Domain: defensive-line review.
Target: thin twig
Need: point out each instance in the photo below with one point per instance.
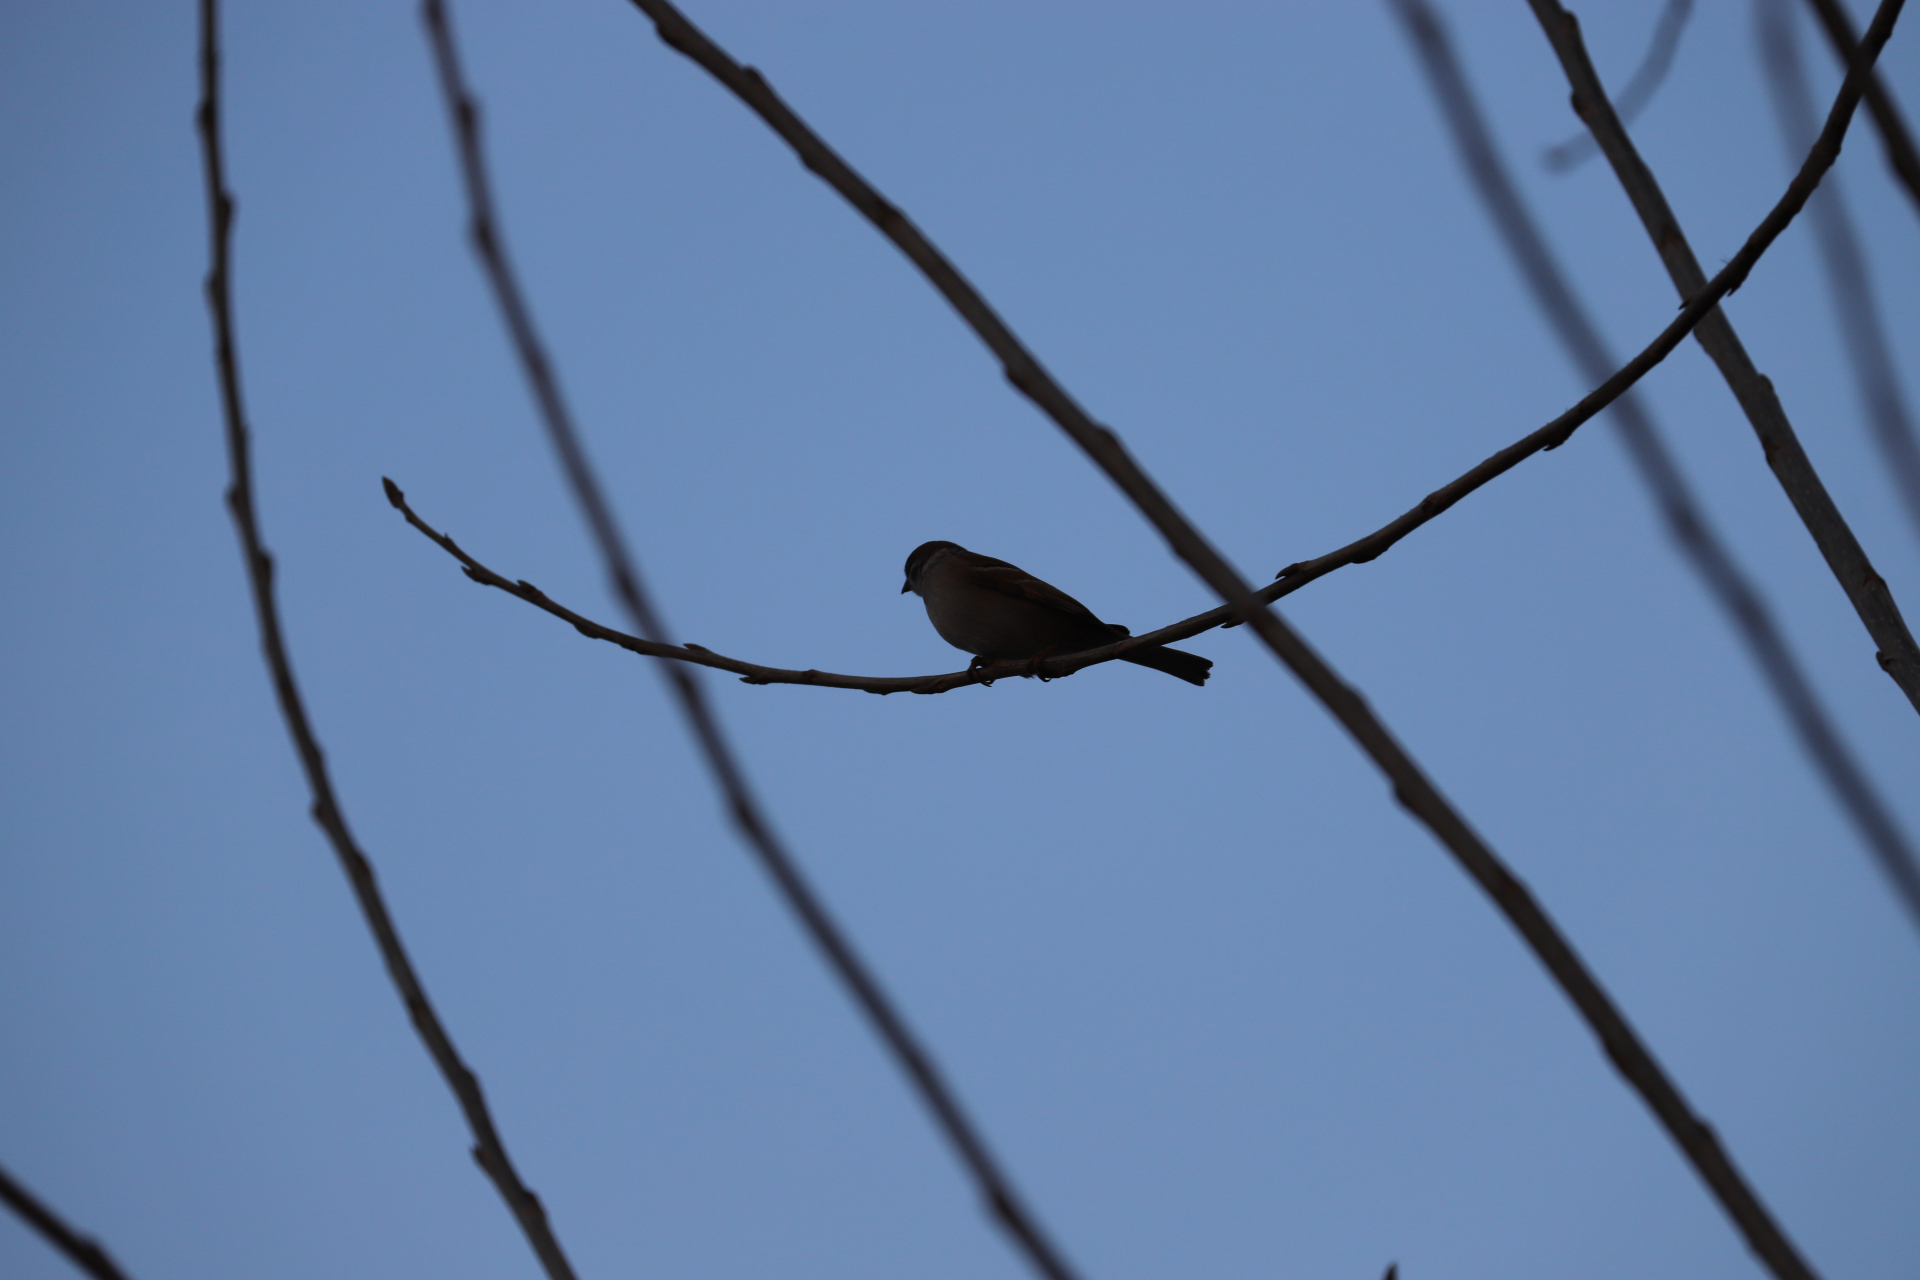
(1410, 785)
(488, 1149)
(1647, 77)
(749, 672)
(995, 1187)
(1847, 277)
(1865, 589)
(1686, 519)
(1022, 370)
(1742, 600)
(755, 673)
(1897, 140)
(83, 1252)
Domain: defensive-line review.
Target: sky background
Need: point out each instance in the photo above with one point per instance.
(1224, 1010)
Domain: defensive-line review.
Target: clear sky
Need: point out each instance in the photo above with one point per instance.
(1221, 1006)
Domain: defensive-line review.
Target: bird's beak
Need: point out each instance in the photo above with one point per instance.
(906, 587)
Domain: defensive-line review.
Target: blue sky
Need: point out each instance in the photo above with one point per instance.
(1223, 1009)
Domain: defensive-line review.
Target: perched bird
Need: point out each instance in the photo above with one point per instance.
(993, 609)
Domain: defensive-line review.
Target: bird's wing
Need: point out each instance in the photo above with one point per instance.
(1011, 580)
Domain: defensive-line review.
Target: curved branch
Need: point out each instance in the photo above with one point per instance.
(997, 1192)
(1868, 593)
(1686, 518)
(1653, 68)
(1849, 279)
(1411, 786)
(1291, 579)
(755, 673)
(747, 83)
(1902, 157)
(489, 1149)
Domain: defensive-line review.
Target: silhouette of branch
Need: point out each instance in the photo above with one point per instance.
(1871, 599)
(488, 1149)
(914, 1060)
(1743, 602)
(1895, 137)
(1410, 785)
(1847, 277)
(1647, 78)
(1687, 522)
(755, 673)
(84, 1252)
(1025, 373)
(749, 672)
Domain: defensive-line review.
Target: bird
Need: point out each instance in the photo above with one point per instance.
(993, 609)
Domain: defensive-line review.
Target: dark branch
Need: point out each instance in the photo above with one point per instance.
(1846, 264)
(488, 1149)
(1687, 522)
(1653, 68)
(1895, 137)
(1897, 653)
(1410, 785)
(83, 1252)
(996, 1189)
(754, 673)
(749, 672)
(1026, 374)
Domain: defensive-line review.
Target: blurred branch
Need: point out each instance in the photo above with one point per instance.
(83, 1252)
(1898, 655)
(749, 672)
(1410, 785)
(1895, 138)
(488, 1149)
(755, 673)
(1840, 252)
(1647, 78)
(914, 1060)
(1032, 380)
(1686, 520)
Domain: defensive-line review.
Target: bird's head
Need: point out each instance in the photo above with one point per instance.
(923, 558)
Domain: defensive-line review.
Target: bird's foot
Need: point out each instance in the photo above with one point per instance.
(1040, 657)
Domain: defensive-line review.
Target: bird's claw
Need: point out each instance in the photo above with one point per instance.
(1038, 658)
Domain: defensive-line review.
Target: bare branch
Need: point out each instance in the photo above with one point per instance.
(1897, 655)
(823, 161)
(1647, 77)
(1847, 277)
(749, 672)
(1026, 374)
(488, 1149)
(1410, 785)
(1902, 157)
(84, 1252)
(1687, 522)
(754, 673)
(915, 1061)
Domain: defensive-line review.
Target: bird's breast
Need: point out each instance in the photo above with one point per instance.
(992, 625)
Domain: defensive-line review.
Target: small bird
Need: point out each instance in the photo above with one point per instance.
(992, 609)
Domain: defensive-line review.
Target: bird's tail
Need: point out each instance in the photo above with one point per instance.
(1190, 667)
